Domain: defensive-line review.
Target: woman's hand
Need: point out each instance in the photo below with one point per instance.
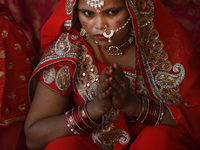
(103, 101)
(103, 98)
(119, 88)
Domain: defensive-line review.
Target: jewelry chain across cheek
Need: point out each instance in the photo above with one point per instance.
(112, 31)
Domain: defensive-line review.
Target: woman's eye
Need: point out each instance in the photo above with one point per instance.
(112, 12)
(88, 13)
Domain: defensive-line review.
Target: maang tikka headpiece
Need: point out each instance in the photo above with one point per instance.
(95, 3)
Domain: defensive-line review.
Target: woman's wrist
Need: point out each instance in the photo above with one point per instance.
(151, 112)
(78, 119)
(94, 111)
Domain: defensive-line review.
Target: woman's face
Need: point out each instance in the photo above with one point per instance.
(113, 14)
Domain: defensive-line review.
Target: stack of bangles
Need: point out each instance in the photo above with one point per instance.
(151, 112)
(78, 119)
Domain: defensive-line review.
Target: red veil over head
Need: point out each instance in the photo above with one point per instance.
(168, 60)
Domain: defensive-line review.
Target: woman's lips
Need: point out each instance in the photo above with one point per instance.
(100, 37)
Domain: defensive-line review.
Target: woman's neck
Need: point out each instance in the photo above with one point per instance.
(127, 59)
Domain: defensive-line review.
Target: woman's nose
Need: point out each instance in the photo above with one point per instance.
(100, 23)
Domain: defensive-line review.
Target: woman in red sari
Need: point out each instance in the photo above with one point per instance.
(114, 75)
(17, 62)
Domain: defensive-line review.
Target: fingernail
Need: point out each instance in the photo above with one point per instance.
(106, 91)
(111, 72)
(112, 80)
(106, 72)
(110, 89)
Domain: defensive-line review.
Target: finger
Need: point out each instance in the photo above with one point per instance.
(102, 87)
(115, 85)
(117, 73)
(104, 74)
(115, 94)
(115, 65)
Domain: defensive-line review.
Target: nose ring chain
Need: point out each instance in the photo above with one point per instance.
(112, 31)
(108, 35)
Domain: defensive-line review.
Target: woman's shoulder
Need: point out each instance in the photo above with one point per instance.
(68, 47)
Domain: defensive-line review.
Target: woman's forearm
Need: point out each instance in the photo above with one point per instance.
(45, 131)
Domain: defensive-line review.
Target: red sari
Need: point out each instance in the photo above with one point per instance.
(17, 61)
(168, 72)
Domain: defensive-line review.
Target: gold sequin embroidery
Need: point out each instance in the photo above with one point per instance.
(17, 47)
(106, 135)
(22, 107)
(28, 61)
(63, 78)
(10, 66)
(28, 45)
(62, 45)
(1, 74)
(11, 95)
(69, 7)
(49, 75)
(4, 33)
(22, 78)
(7, 111)
(155, 59)
(2, 54)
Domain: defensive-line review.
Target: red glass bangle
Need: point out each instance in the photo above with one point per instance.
(160, 117)
(79, 112)
(85, 117)
(156, 114)
(145, 110)
(78, 121)
(71, 122)
(150, 112)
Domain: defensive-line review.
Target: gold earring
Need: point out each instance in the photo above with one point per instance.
(83, 33)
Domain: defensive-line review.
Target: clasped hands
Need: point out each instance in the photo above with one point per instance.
(113, 90)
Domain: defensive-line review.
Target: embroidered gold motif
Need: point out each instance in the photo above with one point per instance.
(4, 34)
(11, 95)
(86, 75)
(168, 83)
(74, 37)
(22, 107)
(28, 45)
(22, 78)
(67, 23)
(131, 77)
(164, 83)
(10, 66)
(63, 78)
(2, 54)
(49, 75)
(106, 135)
(17, 47)
(28, 61)
(7, 111)
(1, 74)
(62, 45)
(69, 7)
